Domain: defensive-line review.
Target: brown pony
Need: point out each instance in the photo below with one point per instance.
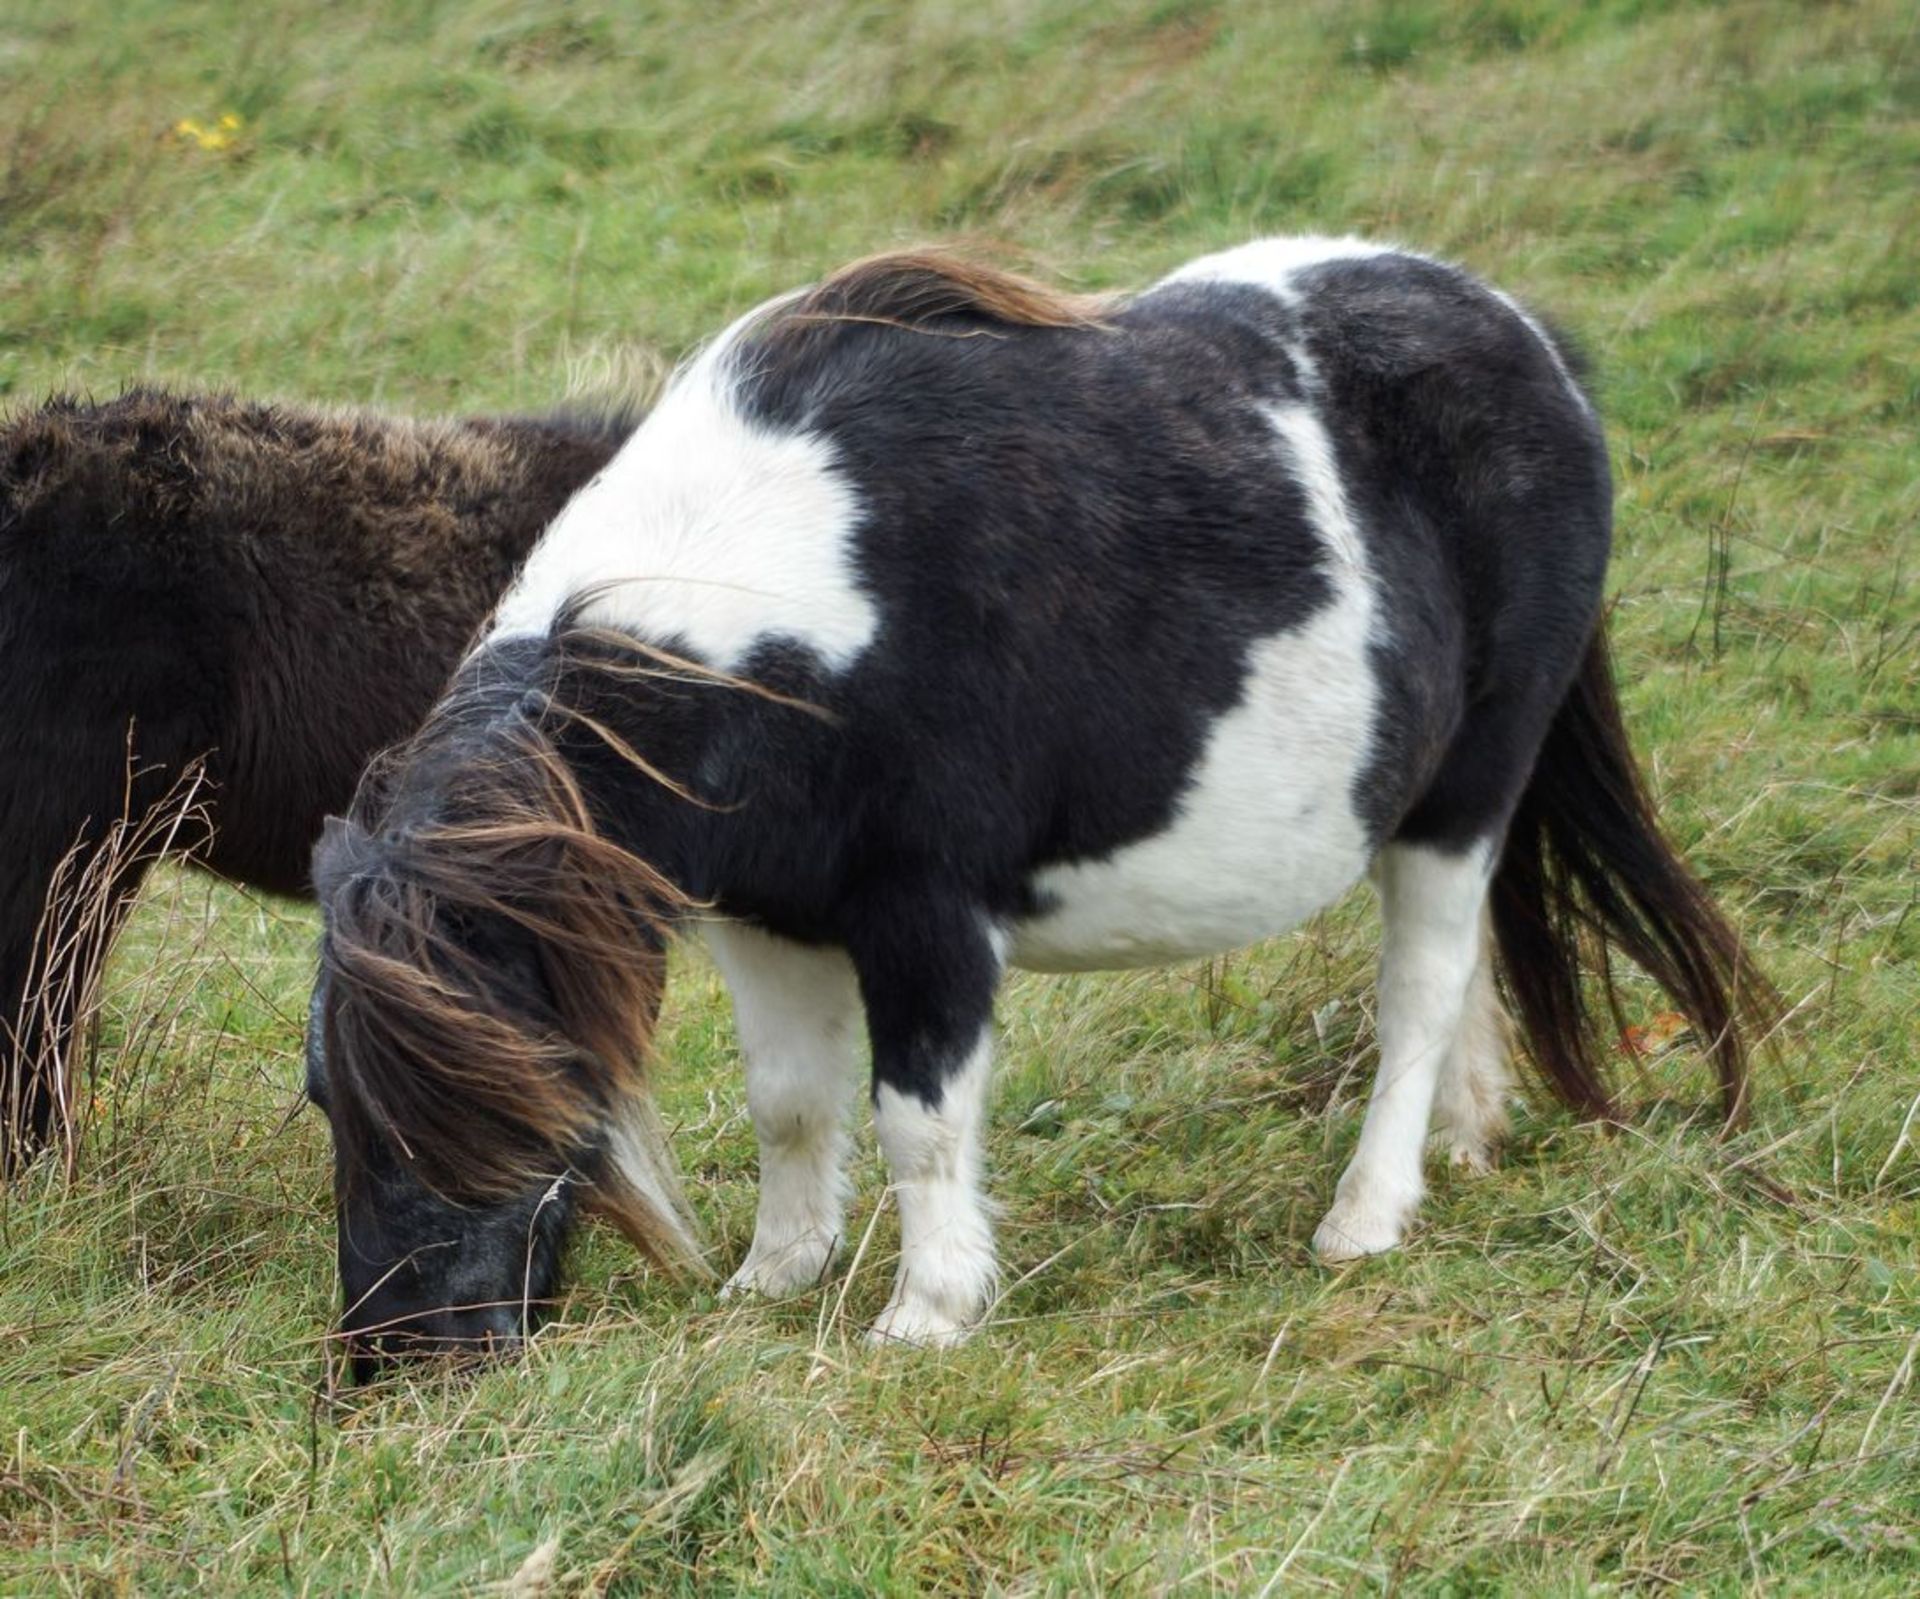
(230, 606)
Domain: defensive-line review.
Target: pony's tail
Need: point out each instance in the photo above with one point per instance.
(1585, 852)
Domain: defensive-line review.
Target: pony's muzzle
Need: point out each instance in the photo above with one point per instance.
(461, 1335)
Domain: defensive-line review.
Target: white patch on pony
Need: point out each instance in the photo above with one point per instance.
(798, 1014)
(947, 1271)
(1271, 263)
(1310, 453)
(1265, 832)
(706, 528)
(1432, 904)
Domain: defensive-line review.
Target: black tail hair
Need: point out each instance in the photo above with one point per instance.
(1585, 853)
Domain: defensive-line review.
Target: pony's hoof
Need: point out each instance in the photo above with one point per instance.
(1352, 1230)
(1472, 1135)
(918, 1326)
(1476, 1159)
(789, 1272)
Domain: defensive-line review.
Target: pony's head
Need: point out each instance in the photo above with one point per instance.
(490, 974)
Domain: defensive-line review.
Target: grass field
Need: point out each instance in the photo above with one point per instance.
(1624, 1361)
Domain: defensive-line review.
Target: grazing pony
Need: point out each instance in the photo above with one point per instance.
(279, 591)
(933, 623)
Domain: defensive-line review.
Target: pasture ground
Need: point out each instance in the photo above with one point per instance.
(1636, 1360)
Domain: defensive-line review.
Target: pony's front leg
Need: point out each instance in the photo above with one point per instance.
(797, 1011)
(929, 988)
(1431, 903)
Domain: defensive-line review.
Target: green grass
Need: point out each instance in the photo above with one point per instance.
(1620, 1362)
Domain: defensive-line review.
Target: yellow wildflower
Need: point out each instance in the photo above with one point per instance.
(219, 136)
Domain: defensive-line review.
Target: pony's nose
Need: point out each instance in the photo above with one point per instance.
(479, 1334)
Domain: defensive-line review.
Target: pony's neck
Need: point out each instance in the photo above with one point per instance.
(626, 748)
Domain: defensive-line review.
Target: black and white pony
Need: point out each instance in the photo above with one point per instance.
(280, 591)
(935, 623)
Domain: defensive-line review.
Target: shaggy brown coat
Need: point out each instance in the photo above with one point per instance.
(280, 590)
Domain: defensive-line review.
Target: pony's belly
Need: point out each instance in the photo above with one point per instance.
(1155, 904)
(1265, 833)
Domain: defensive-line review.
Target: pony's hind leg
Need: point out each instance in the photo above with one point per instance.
(35, 1038)
(797, 1010)
(63, 900)
(1470, 1103)
(1432, 903)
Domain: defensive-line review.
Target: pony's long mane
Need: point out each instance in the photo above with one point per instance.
(924, 289)
(484, 1090)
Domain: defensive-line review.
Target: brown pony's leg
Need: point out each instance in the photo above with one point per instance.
(27, 1099)
(72, 861)
(43, 980)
